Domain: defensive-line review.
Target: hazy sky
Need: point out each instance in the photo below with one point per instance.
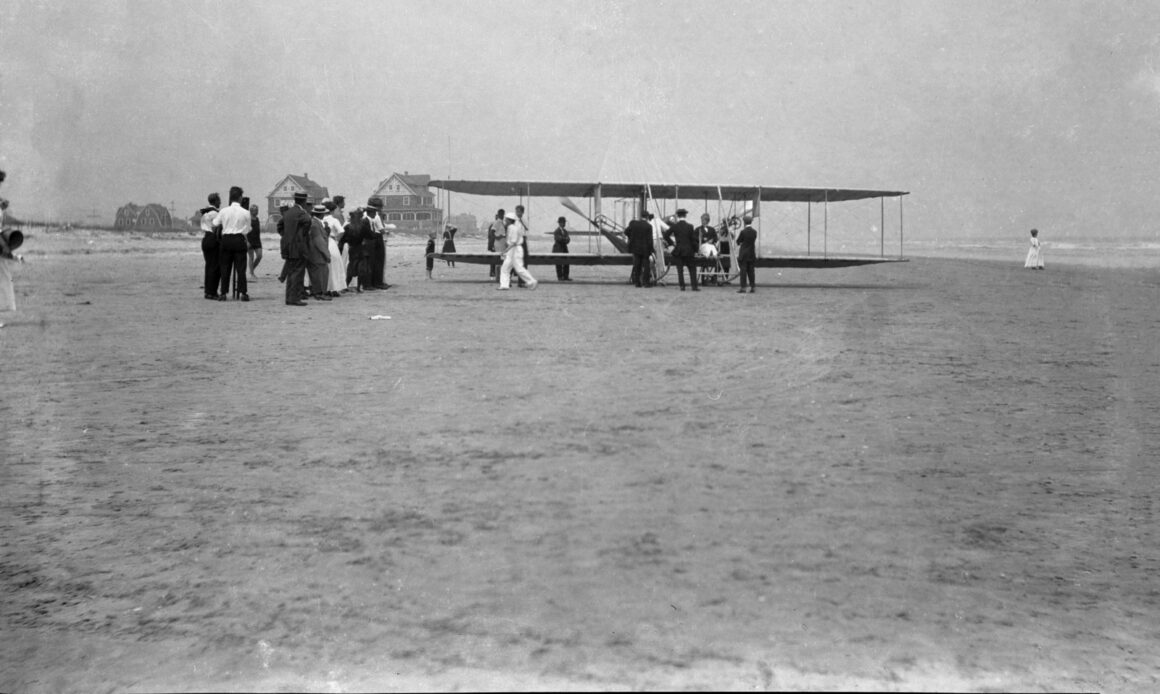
(996, 115)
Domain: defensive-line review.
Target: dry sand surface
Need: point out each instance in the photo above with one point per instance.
(932, 475)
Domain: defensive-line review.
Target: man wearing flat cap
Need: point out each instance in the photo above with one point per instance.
(683, 239)
(295, 240)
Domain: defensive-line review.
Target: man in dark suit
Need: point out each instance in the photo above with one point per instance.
(372, 243)
(560, 241)
(318, 255)
(683, 239)
(377, 252)
(747, 255)
(640, 244)
(295, 238)
(352, 238)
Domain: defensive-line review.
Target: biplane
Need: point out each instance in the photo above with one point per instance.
(631, 198)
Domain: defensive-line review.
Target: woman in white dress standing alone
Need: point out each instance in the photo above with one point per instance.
(1035, 253)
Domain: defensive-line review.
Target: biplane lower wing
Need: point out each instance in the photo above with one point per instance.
(804, 261)
(538, 258)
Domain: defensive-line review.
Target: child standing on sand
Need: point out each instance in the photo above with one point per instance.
(1035, 253)
(430, 250)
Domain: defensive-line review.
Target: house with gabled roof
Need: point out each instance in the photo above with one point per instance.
(408, 203)
(151, 216)
(283, 193)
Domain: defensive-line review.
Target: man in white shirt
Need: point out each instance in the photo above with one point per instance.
(209, 246)
(513, 256)
(496, 240)
(234, 222)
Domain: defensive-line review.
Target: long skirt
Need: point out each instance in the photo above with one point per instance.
(337, 279)
(1034, 258)
(7, 290)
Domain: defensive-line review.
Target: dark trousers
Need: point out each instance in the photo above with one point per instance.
(378, 261)
(686, 261)
(365, 267)
(213, 269)
(493, 269)
(354, 265)
(642, 269)
(748, 270)
(561, 270)
(319, 277)
(295, 280)
(233, 262)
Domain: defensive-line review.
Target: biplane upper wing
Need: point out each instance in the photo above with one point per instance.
(691, 191)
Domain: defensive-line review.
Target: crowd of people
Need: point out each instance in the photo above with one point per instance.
(324, 254)
(689, 248)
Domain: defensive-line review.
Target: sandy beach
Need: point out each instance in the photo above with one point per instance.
(931, 475)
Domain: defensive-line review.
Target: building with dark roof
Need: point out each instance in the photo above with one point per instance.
(408, 203)
(151, 216)
(283, 193)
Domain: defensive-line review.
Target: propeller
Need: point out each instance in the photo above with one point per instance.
(576, 208)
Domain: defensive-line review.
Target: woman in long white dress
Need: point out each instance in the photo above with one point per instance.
(10, 240)
(337, 278)
(1035, 253)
